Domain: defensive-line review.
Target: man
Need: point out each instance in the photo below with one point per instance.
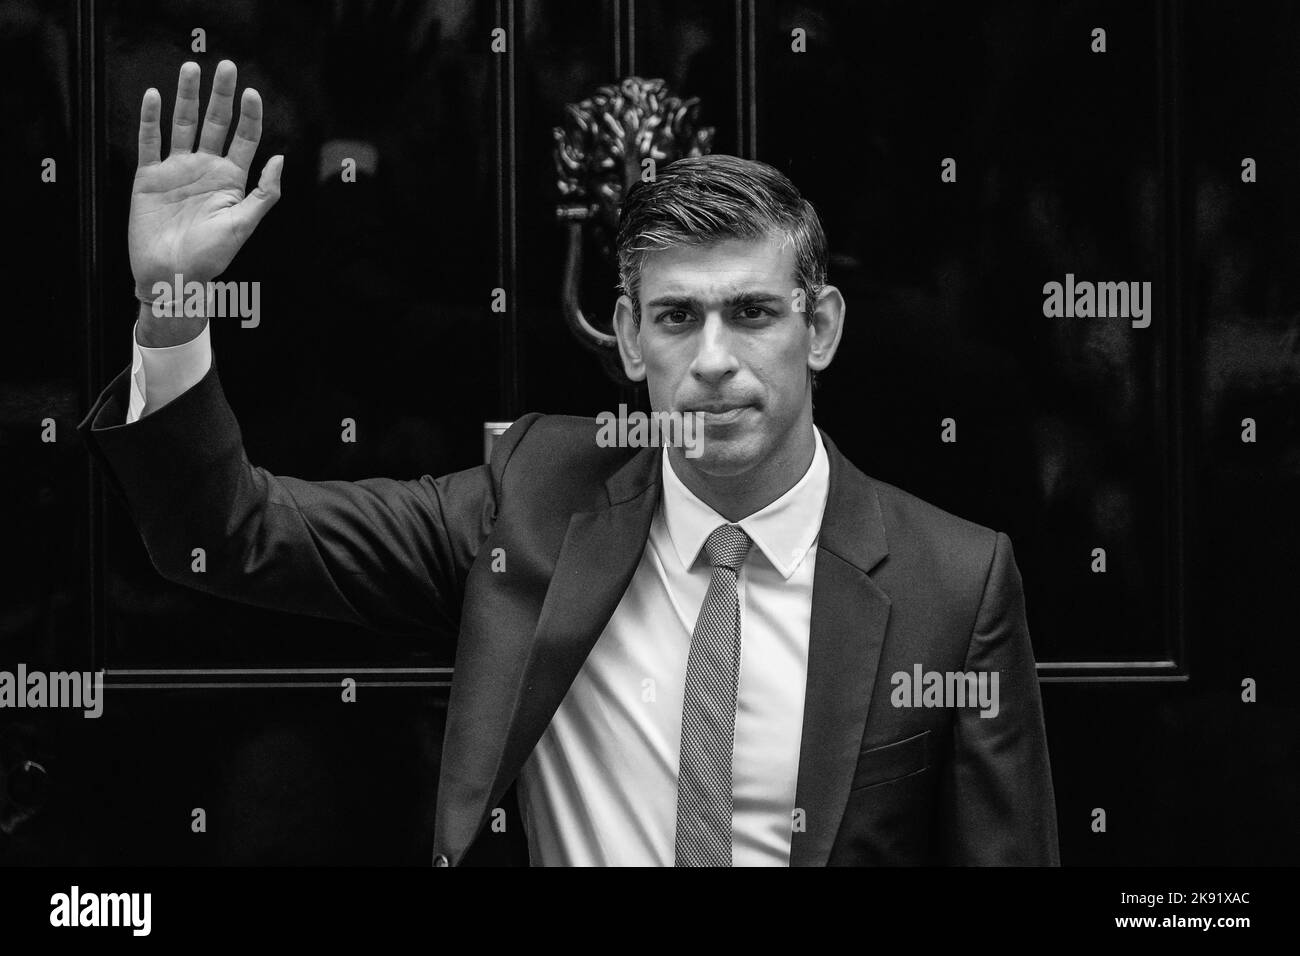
(668, 658)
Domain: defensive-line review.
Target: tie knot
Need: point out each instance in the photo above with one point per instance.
(727, 546)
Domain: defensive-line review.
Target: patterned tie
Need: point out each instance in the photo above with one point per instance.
(704, 799)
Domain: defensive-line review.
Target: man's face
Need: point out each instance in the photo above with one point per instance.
(718, 334)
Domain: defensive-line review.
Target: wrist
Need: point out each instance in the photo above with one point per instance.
(178, 299)
(145, 292)
(160, 332)
(176, 295)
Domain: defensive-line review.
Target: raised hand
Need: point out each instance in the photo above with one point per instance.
(189, 214)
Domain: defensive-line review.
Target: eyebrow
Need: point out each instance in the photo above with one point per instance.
(739, 299)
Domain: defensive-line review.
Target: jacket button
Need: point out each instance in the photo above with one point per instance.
(441, 860)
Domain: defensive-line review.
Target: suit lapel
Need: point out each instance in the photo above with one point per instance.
(506, 689)
(849, 615)
(600, 554)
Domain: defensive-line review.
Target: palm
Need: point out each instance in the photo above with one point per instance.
(189, 213)
(180, 217)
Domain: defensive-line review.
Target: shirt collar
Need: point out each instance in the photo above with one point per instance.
(784, 531)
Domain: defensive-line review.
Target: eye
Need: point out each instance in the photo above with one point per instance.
(754, 312)
(674, 317)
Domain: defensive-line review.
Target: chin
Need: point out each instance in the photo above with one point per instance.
(724, 457)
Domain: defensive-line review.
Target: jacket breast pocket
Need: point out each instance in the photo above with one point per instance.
(892, 761)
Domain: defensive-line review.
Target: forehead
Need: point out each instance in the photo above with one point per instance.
(720, 268)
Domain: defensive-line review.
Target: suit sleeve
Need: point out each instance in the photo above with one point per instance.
(997, 804)
(386, 554)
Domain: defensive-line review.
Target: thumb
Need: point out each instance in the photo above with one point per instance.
(250, 210)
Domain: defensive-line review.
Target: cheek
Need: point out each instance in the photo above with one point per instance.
(667, 364)
(661, 379)
(785, 374)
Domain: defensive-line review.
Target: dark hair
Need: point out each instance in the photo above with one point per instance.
(700, 200)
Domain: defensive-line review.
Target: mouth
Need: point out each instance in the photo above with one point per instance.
(721, 413)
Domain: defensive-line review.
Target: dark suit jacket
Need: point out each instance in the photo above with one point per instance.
(898, 582)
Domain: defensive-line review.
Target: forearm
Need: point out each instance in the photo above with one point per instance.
(390, 555)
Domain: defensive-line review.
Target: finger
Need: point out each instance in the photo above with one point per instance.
(249, 131)
(150, 128)
(258, 203)
(185, 118)
(216, 124)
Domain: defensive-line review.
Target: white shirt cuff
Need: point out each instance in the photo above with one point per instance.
(160, 375)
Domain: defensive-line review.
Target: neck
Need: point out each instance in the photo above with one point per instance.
(741, 495)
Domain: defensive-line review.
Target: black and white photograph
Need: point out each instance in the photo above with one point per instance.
(650, 434)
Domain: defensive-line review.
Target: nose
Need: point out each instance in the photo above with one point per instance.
(715, 357)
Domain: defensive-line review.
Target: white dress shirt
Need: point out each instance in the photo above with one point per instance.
(600, 787)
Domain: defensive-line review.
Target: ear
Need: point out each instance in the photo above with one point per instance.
(825, 328)
(627, 331)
